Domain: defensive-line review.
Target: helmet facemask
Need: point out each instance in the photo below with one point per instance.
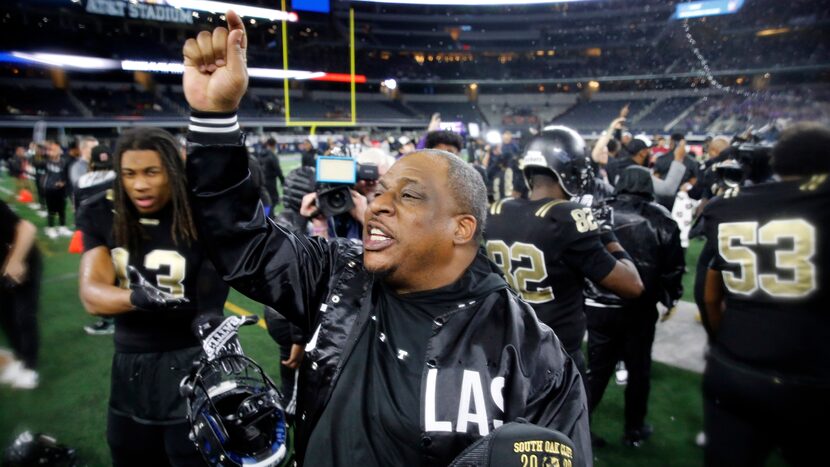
(233, 406)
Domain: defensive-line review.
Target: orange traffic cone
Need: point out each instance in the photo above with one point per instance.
(76, 245)
(25, 196)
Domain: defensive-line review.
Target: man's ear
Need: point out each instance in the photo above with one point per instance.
(465, 229)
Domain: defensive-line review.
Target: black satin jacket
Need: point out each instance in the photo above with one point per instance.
(649, 234)
(492, 353)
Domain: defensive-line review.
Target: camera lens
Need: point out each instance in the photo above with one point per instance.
(338, 199)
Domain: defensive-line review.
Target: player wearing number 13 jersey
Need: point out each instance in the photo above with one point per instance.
(143, 264)
(547, 245)
(767, 378)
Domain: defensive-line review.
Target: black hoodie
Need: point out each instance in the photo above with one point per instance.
(382, 377)
(487, 360)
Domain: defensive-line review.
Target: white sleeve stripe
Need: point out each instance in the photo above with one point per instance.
(208, 129)
(214, 121)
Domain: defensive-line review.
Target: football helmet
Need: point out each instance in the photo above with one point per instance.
(36, 449)
(233, 407)
(560, 150)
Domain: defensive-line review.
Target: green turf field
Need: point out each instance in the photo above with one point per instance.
(70, 403)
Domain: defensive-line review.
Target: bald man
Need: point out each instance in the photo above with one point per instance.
(418, 347)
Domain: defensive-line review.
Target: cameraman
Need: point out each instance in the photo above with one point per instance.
(344, 225)
(348, 223)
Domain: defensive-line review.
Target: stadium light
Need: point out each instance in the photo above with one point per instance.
(152, 67)
(470, 2)
(176, 68)
(278, 73)
(772, 32)
(493, 137)
(389, 84)
(77, 62)
(223, 7)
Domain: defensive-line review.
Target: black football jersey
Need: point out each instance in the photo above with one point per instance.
(180, 269)
(546, 248)
(771, 246)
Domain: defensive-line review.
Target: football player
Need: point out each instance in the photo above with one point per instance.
(547, 245)
(143, 265)
(767, 378)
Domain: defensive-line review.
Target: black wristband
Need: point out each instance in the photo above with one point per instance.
(621, 255)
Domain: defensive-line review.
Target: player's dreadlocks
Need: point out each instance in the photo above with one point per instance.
(126, 226)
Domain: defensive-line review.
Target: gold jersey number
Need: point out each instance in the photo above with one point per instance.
(584, 219)
(172, 282)
(735, 240)
(520, 278)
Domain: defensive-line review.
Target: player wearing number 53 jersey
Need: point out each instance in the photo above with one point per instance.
(143, 264)
(547, 245)
(767, 378)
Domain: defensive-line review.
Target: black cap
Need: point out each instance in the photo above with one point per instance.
(514, 443)
(101, 158)
(636, 145)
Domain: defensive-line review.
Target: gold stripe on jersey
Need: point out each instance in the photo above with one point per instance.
(814, 182)
(148, 221)
(495, 209)
(543, 211)
(732, 192)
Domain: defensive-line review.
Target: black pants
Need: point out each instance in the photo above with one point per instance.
(625, 334)
(18, 318)
(273, 193)
(280, 330)
(56, 205)
(146, 423)
(747, 413)
(136, 444)
(493, 174)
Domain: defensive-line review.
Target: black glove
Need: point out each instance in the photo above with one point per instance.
(604, 216)
(147, 297)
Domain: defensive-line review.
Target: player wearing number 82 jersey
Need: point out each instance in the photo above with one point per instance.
(144, 225)
(547, 245)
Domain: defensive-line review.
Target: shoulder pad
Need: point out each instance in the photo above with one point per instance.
(559, 209)
(574, 219)
(498, 207)
(814, 183)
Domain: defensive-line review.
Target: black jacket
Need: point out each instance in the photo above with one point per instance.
(494, 340)
(649, 234)
(258, 180)
(55, 173)
(271, 172)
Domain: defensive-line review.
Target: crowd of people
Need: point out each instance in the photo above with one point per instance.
(774, 109)
(440, 305)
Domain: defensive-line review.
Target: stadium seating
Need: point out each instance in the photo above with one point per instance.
(596, 115)
(125, 101)
(664, 113)
(42, 102)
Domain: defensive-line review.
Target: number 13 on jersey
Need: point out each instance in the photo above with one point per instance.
(172, 283)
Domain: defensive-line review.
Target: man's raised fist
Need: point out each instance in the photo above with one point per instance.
(215, 70)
